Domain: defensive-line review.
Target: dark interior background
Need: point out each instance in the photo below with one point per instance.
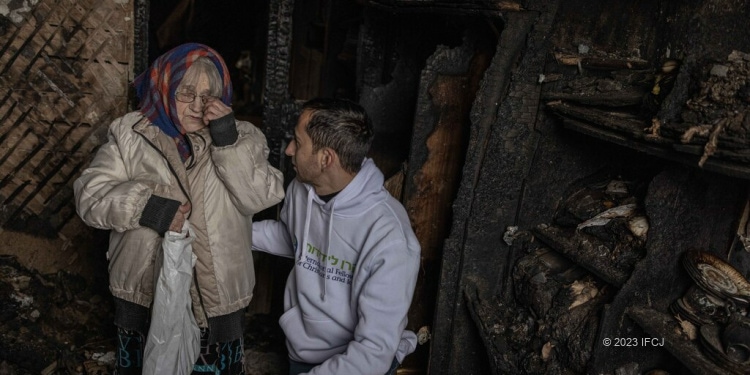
(472, 102)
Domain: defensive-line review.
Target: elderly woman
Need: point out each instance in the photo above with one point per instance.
(181, 156)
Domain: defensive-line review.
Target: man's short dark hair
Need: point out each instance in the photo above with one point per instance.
(342, 125)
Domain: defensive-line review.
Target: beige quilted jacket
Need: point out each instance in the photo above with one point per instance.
(225, 187)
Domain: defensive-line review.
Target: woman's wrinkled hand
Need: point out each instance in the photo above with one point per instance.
(215, 109)
(179, 218)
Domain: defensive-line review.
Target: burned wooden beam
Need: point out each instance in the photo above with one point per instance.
(693, 135)
(621, 122)
(440, 132)
(617, 88)
(626, 97)
(603, 63)
(583, 251)
(662, 148)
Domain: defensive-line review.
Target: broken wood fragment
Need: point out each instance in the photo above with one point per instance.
(622, 98)
(618, 121)
(666, 149)
(603, 63)
(583, 251)
(712, 144)
(698, 134)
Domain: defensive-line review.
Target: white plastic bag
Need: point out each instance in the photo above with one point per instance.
(173, 342)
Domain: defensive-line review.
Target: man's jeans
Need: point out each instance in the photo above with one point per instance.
(296, 368)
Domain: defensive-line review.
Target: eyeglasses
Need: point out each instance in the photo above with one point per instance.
(189, 97)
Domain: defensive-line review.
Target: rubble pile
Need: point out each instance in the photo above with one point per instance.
(62, 324)
(717, 115)
(52, 324)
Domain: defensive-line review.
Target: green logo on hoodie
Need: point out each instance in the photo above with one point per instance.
(330, 266)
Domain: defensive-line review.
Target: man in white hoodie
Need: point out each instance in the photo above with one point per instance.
(356, 255)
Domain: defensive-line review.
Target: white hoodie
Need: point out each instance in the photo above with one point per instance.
(348, 295)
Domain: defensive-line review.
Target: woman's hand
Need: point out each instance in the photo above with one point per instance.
(179, 218)
(214, 109)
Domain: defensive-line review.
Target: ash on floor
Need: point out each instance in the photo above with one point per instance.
(62, 324)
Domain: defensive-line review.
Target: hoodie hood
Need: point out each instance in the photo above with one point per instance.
(364, 191)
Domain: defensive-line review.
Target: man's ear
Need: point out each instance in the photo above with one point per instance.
(328, 157)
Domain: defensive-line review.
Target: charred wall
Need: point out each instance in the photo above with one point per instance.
(523, 166)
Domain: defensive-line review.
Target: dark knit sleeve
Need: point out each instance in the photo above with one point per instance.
(158, 213)
(223, 130)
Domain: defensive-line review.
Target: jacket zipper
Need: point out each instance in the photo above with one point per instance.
(179, 183)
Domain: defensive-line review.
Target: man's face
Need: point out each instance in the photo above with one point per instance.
(306, 163)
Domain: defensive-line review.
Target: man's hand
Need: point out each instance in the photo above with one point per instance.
(179, 218)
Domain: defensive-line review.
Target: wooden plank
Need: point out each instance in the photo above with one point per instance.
(434, 183)
(500, 150)
(584, 251)
(622, 122)
(441, 131)
(669, 153)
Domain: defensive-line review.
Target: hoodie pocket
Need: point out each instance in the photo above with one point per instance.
(313, 340)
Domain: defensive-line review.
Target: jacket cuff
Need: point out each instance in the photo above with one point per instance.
(223, 130)
(158, 213)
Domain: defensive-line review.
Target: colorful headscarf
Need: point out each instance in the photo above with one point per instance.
(156, 89)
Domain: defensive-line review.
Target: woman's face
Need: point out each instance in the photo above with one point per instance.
(191, 114)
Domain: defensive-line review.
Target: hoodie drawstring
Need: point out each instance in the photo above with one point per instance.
(325, 252)
(307, 226)
(323, 264)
